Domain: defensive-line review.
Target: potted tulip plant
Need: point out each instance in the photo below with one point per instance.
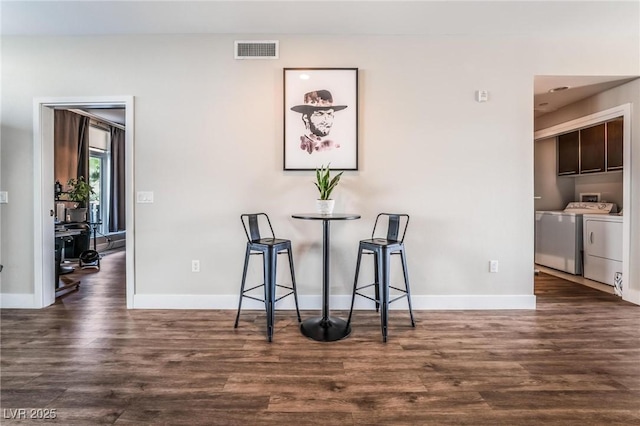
(326, 185)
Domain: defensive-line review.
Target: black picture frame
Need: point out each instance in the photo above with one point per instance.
(320, 118)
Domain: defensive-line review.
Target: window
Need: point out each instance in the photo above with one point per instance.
(99, 158)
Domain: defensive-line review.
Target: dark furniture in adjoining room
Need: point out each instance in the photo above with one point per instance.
(64, 238)
(382, 249)
(269, 248)
(79, 238)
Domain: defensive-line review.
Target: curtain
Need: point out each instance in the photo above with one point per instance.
(117, 213)
(71, 146)
(83, 148)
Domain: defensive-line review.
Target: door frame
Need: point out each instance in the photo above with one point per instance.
(43, 167)
(623, 110)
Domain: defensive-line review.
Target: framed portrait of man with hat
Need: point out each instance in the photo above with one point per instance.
(320, 118)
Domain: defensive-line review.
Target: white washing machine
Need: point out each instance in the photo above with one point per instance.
(558, 235)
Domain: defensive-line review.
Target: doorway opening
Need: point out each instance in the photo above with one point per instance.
(98, 219)
(557, 191)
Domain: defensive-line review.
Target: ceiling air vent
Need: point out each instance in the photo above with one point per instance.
(256, 49)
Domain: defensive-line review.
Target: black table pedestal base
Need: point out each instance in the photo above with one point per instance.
(325, 329)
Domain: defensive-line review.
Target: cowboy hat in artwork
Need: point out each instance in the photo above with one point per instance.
(317, 100)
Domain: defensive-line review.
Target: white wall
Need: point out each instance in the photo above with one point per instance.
(554, 191)
(608, 185)
(208, 142)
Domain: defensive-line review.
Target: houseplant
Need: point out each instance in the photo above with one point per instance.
(80, 192)
(326, 185)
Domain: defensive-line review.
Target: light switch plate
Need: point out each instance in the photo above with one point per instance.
(4, 197)
(144, 197)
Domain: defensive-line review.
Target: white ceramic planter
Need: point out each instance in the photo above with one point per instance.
(325, 206)
(77, 215)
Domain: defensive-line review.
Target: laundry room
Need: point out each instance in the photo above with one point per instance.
(580, 186)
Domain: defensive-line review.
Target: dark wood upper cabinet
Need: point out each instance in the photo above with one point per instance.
(568, 153)
(614, 144)
(592, 149)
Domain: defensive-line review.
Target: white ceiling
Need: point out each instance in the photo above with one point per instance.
(31, 17)
(347, 17)
(110, 115)
(580, 87)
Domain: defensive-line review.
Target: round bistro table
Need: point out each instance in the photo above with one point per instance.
(325, 328)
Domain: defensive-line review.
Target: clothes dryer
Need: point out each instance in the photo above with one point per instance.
(602, 248)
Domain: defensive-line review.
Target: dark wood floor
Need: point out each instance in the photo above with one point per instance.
(573, 361)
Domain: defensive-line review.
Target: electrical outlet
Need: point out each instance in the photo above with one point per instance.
(493, 266)
(195, 266)
(4, 197)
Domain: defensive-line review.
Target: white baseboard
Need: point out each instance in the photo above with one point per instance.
(115, 244)
(184, 301)
(477, 302)
(339, 302)
(631, 295)
(17, 301)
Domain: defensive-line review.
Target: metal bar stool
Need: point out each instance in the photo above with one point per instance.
(269, 248)
(382, 249)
